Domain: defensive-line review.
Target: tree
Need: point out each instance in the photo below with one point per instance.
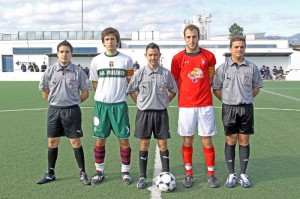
(235, 31)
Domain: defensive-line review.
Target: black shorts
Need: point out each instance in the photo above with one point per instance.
(148, 121)
(64, 121)
(238, 119)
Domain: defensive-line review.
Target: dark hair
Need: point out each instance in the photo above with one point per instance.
(152, 46)
(191, 27)
(65, 43)
(110, 30)
(237, 38)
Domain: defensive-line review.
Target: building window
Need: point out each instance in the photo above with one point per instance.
(85, 50)
(31, 51)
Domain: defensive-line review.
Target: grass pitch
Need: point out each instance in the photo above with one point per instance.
(274, 167)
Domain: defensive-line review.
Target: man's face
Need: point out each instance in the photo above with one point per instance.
(152, 55)
(64, 55)
(191, 39)
(237, 49)
(110, 42)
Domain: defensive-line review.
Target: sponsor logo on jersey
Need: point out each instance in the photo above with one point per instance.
(112, 72)
(196, 74)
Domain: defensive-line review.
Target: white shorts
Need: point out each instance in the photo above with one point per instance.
(189, 118)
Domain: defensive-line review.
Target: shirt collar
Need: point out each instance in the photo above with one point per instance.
(232, 63)
(150, 71)
(71, 67)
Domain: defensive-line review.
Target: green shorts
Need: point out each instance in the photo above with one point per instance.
(111, 116)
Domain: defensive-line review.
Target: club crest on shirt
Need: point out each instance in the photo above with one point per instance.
(111, 64)
(195, 74)
(203, 62)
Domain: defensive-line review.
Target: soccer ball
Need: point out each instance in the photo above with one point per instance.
(165, 181)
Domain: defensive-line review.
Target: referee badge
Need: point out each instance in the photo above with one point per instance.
(247, 79)
(162, 87)
(71, 86)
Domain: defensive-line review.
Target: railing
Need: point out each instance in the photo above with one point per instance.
(52, 35)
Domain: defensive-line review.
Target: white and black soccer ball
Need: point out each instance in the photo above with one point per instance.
(165, 181)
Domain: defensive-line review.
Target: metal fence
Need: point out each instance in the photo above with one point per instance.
(52, 35)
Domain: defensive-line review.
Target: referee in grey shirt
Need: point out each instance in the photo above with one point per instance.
(236, 83)
(152, 87)
(64, 86)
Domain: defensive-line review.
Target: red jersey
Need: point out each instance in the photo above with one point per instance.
(191, 71)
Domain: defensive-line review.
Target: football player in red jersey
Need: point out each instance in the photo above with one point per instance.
(193, 69)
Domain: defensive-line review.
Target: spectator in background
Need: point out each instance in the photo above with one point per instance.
(136, 66)
(36, 68)
(280, 73)
(262, 70)
(267, 74)
(30, 67)
(43, 67)
(87, 71)
(275, 71)
(23, 68)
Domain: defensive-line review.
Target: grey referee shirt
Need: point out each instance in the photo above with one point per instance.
(152, 87)
(237, 81)
(64, 84)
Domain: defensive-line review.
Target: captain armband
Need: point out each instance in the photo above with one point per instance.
(211, 70)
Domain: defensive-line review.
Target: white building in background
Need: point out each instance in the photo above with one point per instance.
(40, 46)
(202, 23)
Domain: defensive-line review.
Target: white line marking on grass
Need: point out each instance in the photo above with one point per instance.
(273, 109)
(155, 193)
(282, 88)
(30, 109)
(218, 107)
(293, 98)
(18, 110)
(278, 109)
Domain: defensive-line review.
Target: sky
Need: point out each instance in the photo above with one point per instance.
(273, 17)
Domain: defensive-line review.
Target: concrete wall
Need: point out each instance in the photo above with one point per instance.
(294, 75)
(137, 54)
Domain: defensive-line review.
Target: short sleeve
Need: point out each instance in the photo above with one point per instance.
(218, 77)
(93, 70)
(44, 82)
(257, 79)
(134, 83)
(84, 81)
(175, 67)
(171, 84)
